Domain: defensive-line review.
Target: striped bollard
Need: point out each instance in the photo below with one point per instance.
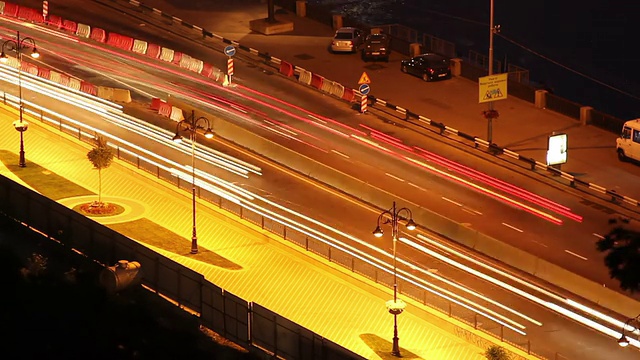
(363, 104)
(45, 10)
(230, 68)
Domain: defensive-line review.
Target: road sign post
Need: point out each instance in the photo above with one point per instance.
(45, 9)
(364, 91)
(230, 51)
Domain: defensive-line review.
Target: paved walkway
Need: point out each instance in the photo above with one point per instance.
(300, 286)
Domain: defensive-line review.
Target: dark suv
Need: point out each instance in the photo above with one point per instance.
(376, 46)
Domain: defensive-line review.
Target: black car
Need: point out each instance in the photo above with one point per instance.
(376, 46)
(428, 66)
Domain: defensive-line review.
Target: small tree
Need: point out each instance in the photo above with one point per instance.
(622, 248)
(101, 157)
(495, 352)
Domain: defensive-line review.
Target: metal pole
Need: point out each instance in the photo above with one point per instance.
(394, 228)
(490, 119)
(23, 162)
(194, 237)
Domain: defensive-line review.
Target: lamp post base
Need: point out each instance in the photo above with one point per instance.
(194, 245)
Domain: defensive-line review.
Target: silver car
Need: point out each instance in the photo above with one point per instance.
(347, 39)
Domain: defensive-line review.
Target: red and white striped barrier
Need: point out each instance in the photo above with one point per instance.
(230, 70)
(45, 9)
(75, 83)
(70, 26)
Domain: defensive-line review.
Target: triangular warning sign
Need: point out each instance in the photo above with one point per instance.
(364, 79)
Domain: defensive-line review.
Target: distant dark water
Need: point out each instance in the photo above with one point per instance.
(596, 38)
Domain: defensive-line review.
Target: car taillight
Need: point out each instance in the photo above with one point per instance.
(430, 70)
(333, 42)
(350, 43)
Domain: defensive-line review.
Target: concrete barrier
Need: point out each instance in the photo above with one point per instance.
(139, 46)
(153, 51)
(70, 26)
(83, 30)
(166, 54)
(10, 9)
(74, 83)
(286, 68)
(337, 90)
(122, 95)
(105, 92)
(54, 76)
(326, 86)
(55, 21)
(305, 77)
(176, 114)
(98, 34)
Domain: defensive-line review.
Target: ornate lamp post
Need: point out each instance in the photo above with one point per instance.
(624, 341)
(192, 125)
(17, 45)
(395, 306)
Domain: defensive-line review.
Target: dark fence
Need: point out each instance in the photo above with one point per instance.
(605, 121)
(563, 106)
(220, 310)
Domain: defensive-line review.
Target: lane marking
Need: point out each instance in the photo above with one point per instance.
(470, 211)
(316, 119)
(539, 243)
(512, 227)
(341, 154)
(416, 186)
(395, 177)
(576, 255)
(598, 236)
(451, 201)
(474, 210)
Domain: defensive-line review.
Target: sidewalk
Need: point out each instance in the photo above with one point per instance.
(301, 287)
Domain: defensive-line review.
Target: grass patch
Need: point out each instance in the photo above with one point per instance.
(383, 347)
(45, 182)
(148, 232)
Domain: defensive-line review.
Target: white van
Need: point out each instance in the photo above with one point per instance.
(628, 144)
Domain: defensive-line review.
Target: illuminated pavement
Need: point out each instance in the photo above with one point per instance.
(301, 287)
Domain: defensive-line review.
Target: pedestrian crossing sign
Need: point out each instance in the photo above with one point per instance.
(364, 79)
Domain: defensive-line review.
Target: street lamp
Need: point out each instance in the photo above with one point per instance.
(192, 125)
(17, 45)
(395, 306)
(624, 341)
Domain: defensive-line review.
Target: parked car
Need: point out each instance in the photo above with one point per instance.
(347, 39)
(376, 46)
(427, 66)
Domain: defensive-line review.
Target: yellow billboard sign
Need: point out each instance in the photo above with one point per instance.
(493, 87)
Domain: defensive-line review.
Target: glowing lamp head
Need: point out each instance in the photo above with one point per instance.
(411, 225)
(377, 232)
(35, 54)
(3, 58)
(177, 138)
(623, 341)
(208, 134)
